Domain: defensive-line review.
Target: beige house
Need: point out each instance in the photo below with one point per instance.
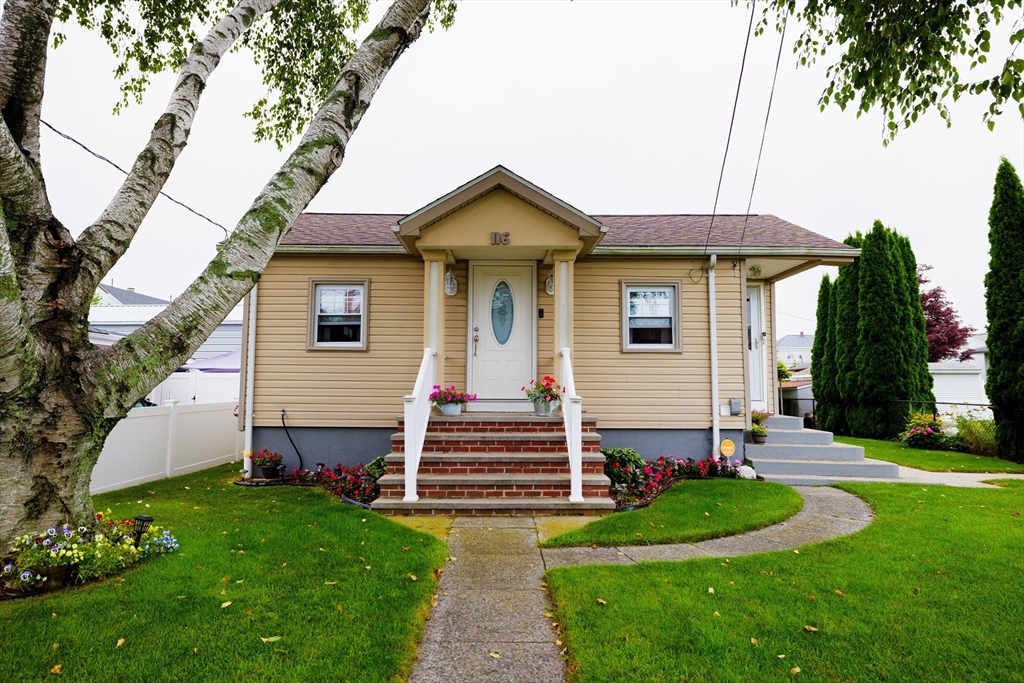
(661, 325)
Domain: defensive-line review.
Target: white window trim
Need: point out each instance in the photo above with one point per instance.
(677, 343)
(363, 344)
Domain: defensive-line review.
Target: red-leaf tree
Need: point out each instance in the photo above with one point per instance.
(947, 335)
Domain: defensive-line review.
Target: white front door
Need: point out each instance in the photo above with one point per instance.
(501, 335)
(756, 340)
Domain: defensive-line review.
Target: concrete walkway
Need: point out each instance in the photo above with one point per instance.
(489, 623)
(827, 513)
(909, 475)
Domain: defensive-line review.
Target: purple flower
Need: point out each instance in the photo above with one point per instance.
(67, 533)
(46, 541)
(8, 568)
(51, 531)
(26, 575)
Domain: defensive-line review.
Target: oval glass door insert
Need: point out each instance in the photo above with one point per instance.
(502, 312)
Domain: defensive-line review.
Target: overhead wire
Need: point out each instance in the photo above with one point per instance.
(764, 132)
(103, 158)
(732, 121)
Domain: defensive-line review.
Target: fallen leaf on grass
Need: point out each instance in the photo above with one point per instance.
(601, 602)
(225, 579)
(339, 608)
(753, 641)
(558, 643)
(180, 597)
(548, 614)
(367, 567)
(247, 612)
(496, 655)
(120, 642)
(812, 598)
(711, 591)
(284, 564)
(56, 645)
(781, 656)
(433, 601)
(225, 604)
(405, 548)
(797, 552)
(840, 593)
(413, 577)
(271, 639)
(330, 583)
(795, 670)
(56, 668)
(717, 614)
(810, 629)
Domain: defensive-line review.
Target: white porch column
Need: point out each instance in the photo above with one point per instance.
(433, 309)
(562, 264)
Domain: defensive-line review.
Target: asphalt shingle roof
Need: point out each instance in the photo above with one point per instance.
(684, 230)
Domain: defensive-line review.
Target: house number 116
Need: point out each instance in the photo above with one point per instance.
(499, 238)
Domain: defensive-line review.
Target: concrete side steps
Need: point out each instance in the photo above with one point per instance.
(874, 469)
(835, 451)
(783, 422)
(492, 506)
(811, 480)
(803, 437)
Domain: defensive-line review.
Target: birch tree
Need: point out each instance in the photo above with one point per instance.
(60, 396)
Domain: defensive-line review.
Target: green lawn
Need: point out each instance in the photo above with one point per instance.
(931, 461)
(691, 511)
(1007, 483)
(331, 580)
(930, 591)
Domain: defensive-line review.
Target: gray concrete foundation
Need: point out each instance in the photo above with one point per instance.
(329, 445)
(681, 443)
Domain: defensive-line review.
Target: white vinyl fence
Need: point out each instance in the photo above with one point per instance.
(165, 441)
(196, 386)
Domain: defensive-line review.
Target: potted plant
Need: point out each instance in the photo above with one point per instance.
(268, 462)
(759, 432)
(450, 400)
(545, 395)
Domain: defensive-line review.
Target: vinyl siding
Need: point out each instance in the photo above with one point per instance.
(656, 390)
(337, 388)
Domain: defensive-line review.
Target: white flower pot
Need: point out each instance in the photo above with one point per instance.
(451, 409)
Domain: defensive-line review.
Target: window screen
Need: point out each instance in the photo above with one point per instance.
(340, 315)
(650, 316)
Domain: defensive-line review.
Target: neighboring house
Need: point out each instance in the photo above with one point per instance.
(496, 278)
(110, 295)
(125, 319)
(797, 397)
(795, 349)
(963, 381)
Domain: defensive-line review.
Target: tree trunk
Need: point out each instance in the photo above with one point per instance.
(49, 451)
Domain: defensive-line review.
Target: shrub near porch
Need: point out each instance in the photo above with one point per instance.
(331, 581)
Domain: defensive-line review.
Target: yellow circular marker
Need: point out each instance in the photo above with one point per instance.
(728, 448)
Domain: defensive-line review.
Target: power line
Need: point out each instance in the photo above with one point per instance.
(764, 132)
(732, 121)
(103, 158)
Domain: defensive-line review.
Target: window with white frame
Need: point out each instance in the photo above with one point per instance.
(338, 315)
(650, 316)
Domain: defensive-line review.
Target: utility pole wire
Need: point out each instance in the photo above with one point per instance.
(732, 120)
(103, 158)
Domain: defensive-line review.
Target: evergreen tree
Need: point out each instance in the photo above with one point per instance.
(917, 331)
(838, 417)
(1004, 303)
(846, 295)
(882, 372)
(822, 371)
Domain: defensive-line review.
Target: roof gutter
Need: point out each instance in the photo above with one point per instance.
(340, 249)
(828, 253)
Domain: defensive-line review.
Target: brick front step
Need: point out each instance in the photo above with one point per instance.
(493, 486)
(496, 463)
(493, 506)
(510, 423)
(496, 443)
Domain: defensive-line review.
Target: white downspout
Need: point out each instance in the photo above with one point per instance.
(250, 371)
(716, 435)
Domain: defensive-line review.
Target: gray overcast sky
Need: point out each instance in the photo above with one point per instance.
(615, 107)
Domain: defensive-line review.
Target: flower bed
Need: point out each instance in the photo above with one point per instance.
(57, 557)
(636, 482)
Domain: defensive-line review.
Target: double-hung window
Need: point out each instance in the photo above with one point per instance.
(650, 316)
(338, 314)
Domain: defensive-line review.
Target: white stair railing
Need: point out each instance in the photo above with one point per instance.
(572, 415)
(417, 416)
